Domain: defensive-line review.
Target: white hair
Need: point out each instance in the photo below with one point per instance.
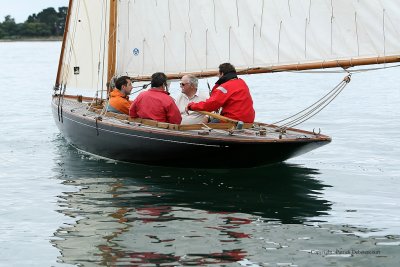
(193, 80)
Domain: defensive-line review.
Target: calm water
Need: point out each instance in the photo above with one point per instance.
(336, 206)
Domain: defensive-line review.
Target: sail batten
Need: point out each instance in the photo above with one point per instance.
(179, 36)
(108, 38)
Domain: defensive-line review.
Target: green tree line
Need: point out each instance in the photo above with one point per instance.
(47, 23)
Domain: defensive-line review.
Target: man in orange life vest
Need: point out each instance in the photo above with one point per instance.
(231, 94)
(119, 96)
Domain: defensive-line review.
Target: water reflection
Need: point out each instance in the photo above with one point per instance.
(133, 215)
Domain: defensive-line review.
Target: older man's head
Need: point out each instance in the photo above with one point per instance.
(189, 85)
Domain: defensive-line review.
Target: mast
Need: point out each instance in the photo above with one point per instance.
(112, 40)
(60, 61)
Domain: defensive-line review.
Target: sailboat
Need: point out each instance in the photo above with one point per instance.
(106, 39)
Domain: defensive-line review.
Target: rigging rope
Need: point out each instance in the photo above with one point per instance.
(144, 86)
(343, 70)
(70, 41)
(107, 101)
(102, 64)
(313, 109)
(318, 106)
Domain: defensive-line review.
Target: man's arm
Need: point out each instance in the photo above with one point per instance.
(132, 109)
(216, 100)
(173, 114)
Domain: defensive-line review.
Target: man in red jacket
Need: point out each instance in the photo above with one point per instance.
(231, 94)
(155, 103)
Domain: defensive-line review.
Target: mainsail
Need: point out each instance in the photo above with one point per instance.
(195, 36)
(186, 36)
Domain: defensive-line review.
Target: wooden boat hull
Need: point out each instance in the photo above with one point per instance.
(163, 147)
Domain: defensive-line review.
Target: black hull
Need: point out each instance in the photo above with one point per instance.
(165, 149)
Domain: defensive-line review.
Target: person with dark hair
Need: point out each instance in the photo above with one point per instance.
(155, 103)
(229, 93)
(119, 96)
(158, 79)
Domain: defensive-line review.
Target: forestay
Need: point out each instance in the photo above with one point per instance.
(177, 36)
(84, 62)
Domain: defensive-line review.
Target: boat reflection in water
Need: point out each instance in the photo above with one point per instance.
(132, 215)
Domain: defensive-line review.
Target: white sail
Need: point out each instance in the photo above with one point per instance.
(177, 36)
(84, 63)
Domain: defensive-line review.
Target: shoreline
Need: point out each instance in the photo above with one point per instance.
(36, 39)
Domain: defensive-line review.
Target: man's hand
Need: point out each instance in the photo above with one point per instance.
(206, 119)
(188, 108)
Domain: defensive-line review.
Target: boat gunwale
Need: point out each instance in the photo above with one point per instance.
(187, 134)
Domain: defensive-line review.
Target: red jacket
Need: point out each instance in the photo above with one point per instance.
(234, 98)
(156, 105)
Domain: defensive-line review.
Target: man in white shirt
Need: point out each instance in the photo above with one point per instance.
(189, 94)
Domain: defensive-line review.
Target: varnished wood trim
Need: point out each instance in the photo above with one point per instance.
(112, 40)
(345, 63)
(166, 132)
